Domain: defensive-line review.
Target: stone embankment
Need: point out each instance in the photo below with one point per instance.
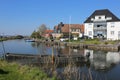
(103, 47)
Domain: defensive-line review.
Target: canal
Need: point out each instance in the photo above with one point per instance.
(101, 65)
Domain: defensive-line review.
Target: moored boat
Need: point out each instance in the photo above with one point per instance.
(29, 40)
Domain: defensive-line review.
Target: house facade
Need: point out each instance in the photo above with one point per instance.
(77, 31)
(48, 34)
(74, 30)
(102, 24)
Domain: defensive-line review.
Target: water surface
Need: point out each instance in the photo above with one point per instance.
(100, 66)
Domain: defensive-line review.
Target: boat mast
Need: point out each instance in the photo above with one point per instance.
(69, 32)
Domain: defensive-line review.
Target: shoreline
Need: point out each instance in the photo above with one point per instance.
(96, 46)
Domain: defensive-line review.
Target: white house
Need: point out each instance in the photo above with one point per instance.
(102, 24)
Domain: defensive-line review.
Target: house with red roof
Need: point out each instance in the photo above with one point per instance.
(48, 33)
(74, 30)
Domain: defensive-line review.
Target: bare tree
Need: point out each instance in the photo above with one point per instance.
(42, 29)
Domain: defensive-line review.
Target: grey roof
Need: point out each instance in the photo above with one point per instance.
(105, 12)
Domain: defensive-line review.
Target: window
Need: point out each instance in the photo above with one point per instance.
(90, 33)
(90, 23)
(58, 31)
(112, 23)
(112, 32)
(73, 30)
(112, 26)
(78, 30)
(99, 17)
(98, 25)
(118, 32)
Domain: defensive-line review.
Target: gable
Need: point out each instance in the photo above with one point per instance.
(105, 15)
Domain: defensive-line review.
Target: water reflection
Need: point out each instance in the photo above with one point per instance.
(113, 57)
(104, 61)
(99, 59)
(100, 65)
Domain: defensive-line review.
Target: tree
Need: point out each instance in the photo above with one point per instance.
(35, 35)
(42, 29)
(19, 37)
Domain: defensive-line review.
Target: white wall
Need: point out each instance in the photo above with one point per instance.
(88, 28)
(101, 19)
(113, 26)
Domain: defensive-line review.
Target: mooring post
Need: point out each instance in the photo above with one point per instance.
(53, 58)
(3, 46)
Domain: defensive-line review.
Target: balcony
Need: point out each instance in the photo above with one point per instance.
(100, 28)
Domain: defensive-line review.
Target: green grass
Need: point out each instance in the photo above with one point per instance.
(2, 39)
(14, 71)
(93, 41)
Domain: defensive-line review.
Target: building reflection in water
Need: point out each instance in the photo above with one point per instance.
(103, 60)
(113, 57)
(100, 60)
(99, 66)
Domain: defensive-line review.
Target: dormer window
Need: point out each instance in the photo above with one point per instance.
(109, 18)
(99, 17)
(92, 19)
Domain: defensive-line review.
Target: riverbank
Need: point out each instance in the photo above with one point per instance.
(96, 45)
(93, 44)
(4, 38)
(14, 71)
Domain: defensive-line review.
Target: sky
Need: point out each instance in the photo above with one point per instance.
(22, 17)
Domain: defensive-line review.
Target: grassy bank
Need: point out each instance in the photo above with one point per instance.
(14, 71)
(3, 39)
(93, 41)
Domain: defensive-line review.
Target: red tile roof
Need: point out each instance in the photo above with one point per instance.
(65, 28)
(48, 31)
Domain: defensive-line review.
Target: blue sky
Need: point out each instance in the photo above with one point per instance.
(25, 16)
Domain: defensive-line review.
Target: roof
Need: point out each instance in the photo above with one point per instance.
(49, 31)
(105, 12)
(65, 28)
